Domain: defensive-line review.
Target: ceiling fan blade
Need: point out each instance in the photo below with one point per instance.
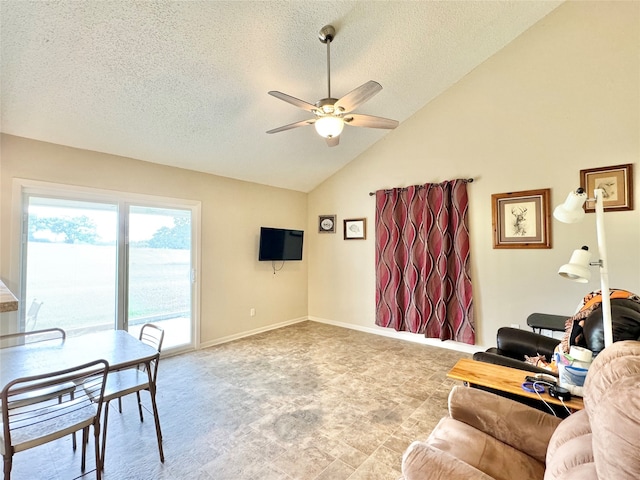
(358, 96)
(311, 121)
(294, 101)
(333, 141)
(359, 120)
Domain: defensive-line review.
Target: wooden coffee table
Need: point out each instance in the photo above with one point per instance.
(504, 379)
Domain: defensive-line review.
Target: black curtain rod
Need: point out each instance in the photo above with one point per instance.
(467, 180)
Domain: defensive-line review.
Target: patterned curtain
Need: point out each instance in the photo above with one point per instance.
(422, 261)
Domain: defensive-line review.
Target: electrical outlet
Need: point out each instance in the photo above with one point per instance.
(252, 312)
(515, 325)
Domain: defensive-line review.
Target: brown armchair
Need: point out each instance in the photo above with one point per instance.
(489, 437)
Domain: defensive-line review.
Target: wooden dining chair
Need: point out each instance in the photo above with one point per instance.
(28, 424)
(134, 380)
(37, 336)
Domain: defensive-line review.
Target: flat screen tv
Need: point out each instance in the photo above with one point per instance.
(280, 244)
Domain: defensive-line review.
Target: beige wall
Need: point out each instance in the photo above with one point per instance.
(561, 98)
(232, 279)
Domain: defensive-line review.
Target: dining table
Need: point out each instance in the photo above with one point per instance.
(121, 349)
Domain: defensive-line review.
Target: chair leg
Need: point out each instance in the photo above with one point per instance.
(96, 442)
(140, 406)
(104, 432)
(8, 462)
(85, 440)
(158, 429)
(73, 435)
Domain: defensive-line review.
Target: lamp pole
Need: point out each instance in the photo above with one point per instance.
(604, 273)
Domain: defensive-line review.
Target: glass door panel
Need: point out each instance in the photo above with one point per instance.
(159, 272)
(71, 249)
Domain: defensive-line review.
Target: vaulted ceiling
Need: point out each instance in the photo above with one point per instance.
(185, 83)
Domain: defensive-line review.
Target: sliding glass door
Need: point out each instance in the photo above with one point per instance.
(92, 265)
(159, 271)
(71, 253)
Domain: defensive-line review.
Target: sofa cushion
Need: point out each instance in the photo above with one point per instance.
(616, 428)
(571, 427)
(507, 421)
(421, 461)
(625, 323)
(485, 453)
(569, 455)
(608, 367)
(585, 328)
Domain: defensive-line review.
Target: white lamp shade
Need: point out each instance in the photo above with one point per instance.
(578, 267)
(329, 126)
(571, 210)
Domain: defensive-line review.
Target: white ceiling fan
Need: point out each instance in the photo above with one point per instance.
(331, 114)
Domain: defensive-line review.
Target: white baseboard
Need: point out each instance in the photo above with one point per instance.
(385, 332)
(249, 333)
(406, 336)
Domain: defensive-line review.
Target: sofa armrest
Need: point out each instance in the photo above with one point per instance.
(497, 359)
(421, 461)
(520, 426)
(516, 343)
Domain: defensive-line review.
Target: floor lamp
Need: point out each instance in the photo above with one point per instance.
(577, 269)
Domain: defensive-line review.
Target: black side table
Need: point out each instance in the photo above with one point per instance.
(545, 321)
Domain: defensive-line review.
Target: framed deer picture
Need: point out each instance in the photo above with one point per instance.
(522, 219)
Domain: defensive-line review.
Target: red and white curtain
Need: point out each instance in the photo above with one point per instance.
(422, 261)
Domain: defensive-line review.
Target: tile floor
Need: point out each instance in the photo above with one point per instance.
(305, 402)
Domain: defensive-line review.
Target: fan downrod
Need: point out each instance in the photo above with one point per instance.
(326, 35)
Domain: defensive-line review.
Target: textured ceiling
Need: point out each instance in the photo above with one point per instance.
(185, 83)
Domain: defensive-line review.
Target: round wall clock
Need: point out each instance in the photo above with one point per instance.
(327, 224)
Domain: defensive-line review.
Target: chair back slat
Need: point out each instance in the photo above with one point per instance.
(153, 336)
(35, 336)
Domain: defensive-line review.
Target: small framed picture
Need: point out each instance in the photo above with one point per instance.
(355, 229)
(522, 219)
(327, 223)
(616, 184)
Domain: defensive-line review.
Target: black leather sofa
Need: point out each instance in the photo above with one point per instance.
(514, 344)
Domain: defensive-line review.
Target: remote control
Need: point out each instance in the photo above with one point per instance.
(547, 379)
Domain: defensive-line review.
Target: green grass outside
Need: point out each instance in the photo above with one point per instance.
(77, 283)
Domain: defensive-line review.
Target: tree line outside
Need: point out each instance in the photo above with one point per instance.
(83, 230)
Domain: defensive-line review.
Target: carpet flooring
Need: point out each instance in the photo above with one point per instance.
(304, 402)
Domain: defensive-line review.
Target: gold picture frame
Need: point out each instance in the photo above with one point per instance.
(522, 219)
(355, 229)
(616, 183)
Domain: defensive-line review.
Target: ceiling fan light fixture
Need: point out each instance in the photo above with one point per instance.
(329, 126)
(330, 112)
